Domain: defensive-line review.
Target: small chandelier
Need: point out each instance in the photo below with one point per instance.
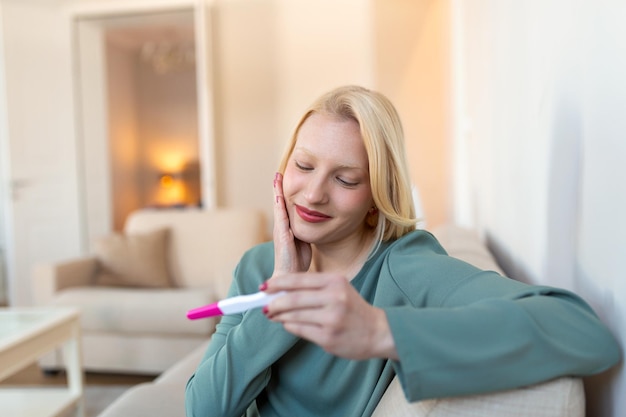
(165, 57)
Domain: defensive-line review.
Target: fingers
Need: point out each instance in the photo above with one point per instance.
(343, 330)
(299, 281)
(278, 184)
(285, 247)
(296, 281)
(341, 323)
(306, 292)
(281, 219)
(284, 250)
(297, 306)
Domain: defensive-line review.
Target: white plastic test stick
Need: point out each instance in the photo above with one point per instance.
(233, 305)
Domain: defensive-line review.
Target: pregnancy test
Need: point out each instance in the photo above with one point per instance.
(233, 305)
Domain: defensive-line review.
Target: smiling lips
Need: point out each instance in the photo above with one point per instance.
(310, 215)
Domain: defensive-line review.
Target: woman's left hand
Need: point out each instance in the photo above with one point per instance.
(325, 309)
(290, 253)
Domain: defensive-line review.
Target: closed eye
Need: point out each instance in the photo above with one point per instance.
(344, 182)
(347, 183)
(302, 167)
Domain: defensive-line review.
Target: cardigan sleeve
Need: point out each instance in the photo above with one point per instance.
(481, 332)
(237, 364)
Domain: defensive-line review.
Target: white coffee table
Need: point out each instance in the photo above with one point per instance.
(25, 335)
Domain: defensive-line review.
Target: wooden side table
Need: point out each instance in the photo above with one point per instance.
(25, 335)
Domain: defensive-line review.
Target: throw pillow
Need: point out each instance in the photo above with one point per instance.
(138, 260)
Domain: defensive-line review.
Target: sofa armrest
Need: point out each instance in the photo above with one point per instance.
(563, 397)
(51, 278)
(466, 245)
(148, 400)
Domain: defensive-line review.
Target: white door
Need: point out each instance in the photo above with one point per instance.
(40, 173)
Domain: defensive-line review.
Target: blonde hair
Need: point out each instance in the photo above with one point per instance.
(381, 130)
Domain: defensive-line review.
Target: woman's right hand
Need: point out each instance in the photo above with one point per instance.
(290, 254)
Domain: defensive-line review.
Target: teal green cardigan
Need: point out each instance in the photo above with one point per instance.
(458, 330)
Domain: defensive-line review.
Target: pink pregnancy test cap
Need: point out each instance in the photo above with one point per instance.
(207, 311)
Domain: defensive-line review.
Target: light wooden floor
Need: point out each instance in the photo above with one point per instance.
(32, 375)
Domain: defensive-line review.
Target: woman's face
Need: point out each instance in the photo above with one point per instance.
(326, 182)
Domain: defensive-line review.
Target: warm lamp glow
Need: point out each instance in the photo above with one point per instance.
(166, 181)
(168, 159)
(173, 180)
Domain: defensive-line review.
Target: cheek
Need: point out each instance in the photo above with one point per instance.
(357, 204)
(289, 182)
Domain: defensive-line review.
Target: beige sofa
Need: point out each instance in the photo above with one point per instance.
(563, 397)
(135, 290)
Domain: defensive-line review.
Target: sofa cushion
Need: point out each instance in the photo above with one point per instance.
(204, 246)
(139, 311)
(137, 260)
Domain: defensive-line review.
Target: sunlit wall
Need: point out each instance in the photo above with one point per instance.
(543, 91)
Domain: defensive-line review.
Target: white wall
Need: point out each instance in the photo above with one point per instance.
(544, 89)
(272, 59)
(245, 101)
(413, 69)
(320, 45)
(601, 239)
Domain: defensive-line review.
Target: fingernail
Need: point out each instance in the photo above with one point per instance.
(263, 286)
(266, 310)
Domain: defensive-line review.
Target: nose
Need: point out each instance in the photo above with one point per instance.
(315, 191)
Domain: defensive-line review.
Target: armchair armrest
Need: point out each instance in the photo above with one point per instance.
(50, 278)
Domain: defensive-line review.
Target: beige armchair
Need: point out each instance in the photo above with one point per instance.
(134, 292)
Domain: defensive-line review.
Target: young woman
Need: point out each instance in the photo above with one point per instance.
(368, 297)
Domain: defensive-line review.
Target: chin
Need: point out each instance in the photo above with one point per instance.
(307, 236)
(304, 237)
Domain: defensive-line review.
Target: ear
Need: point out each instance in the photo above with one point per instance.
(372, 217)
